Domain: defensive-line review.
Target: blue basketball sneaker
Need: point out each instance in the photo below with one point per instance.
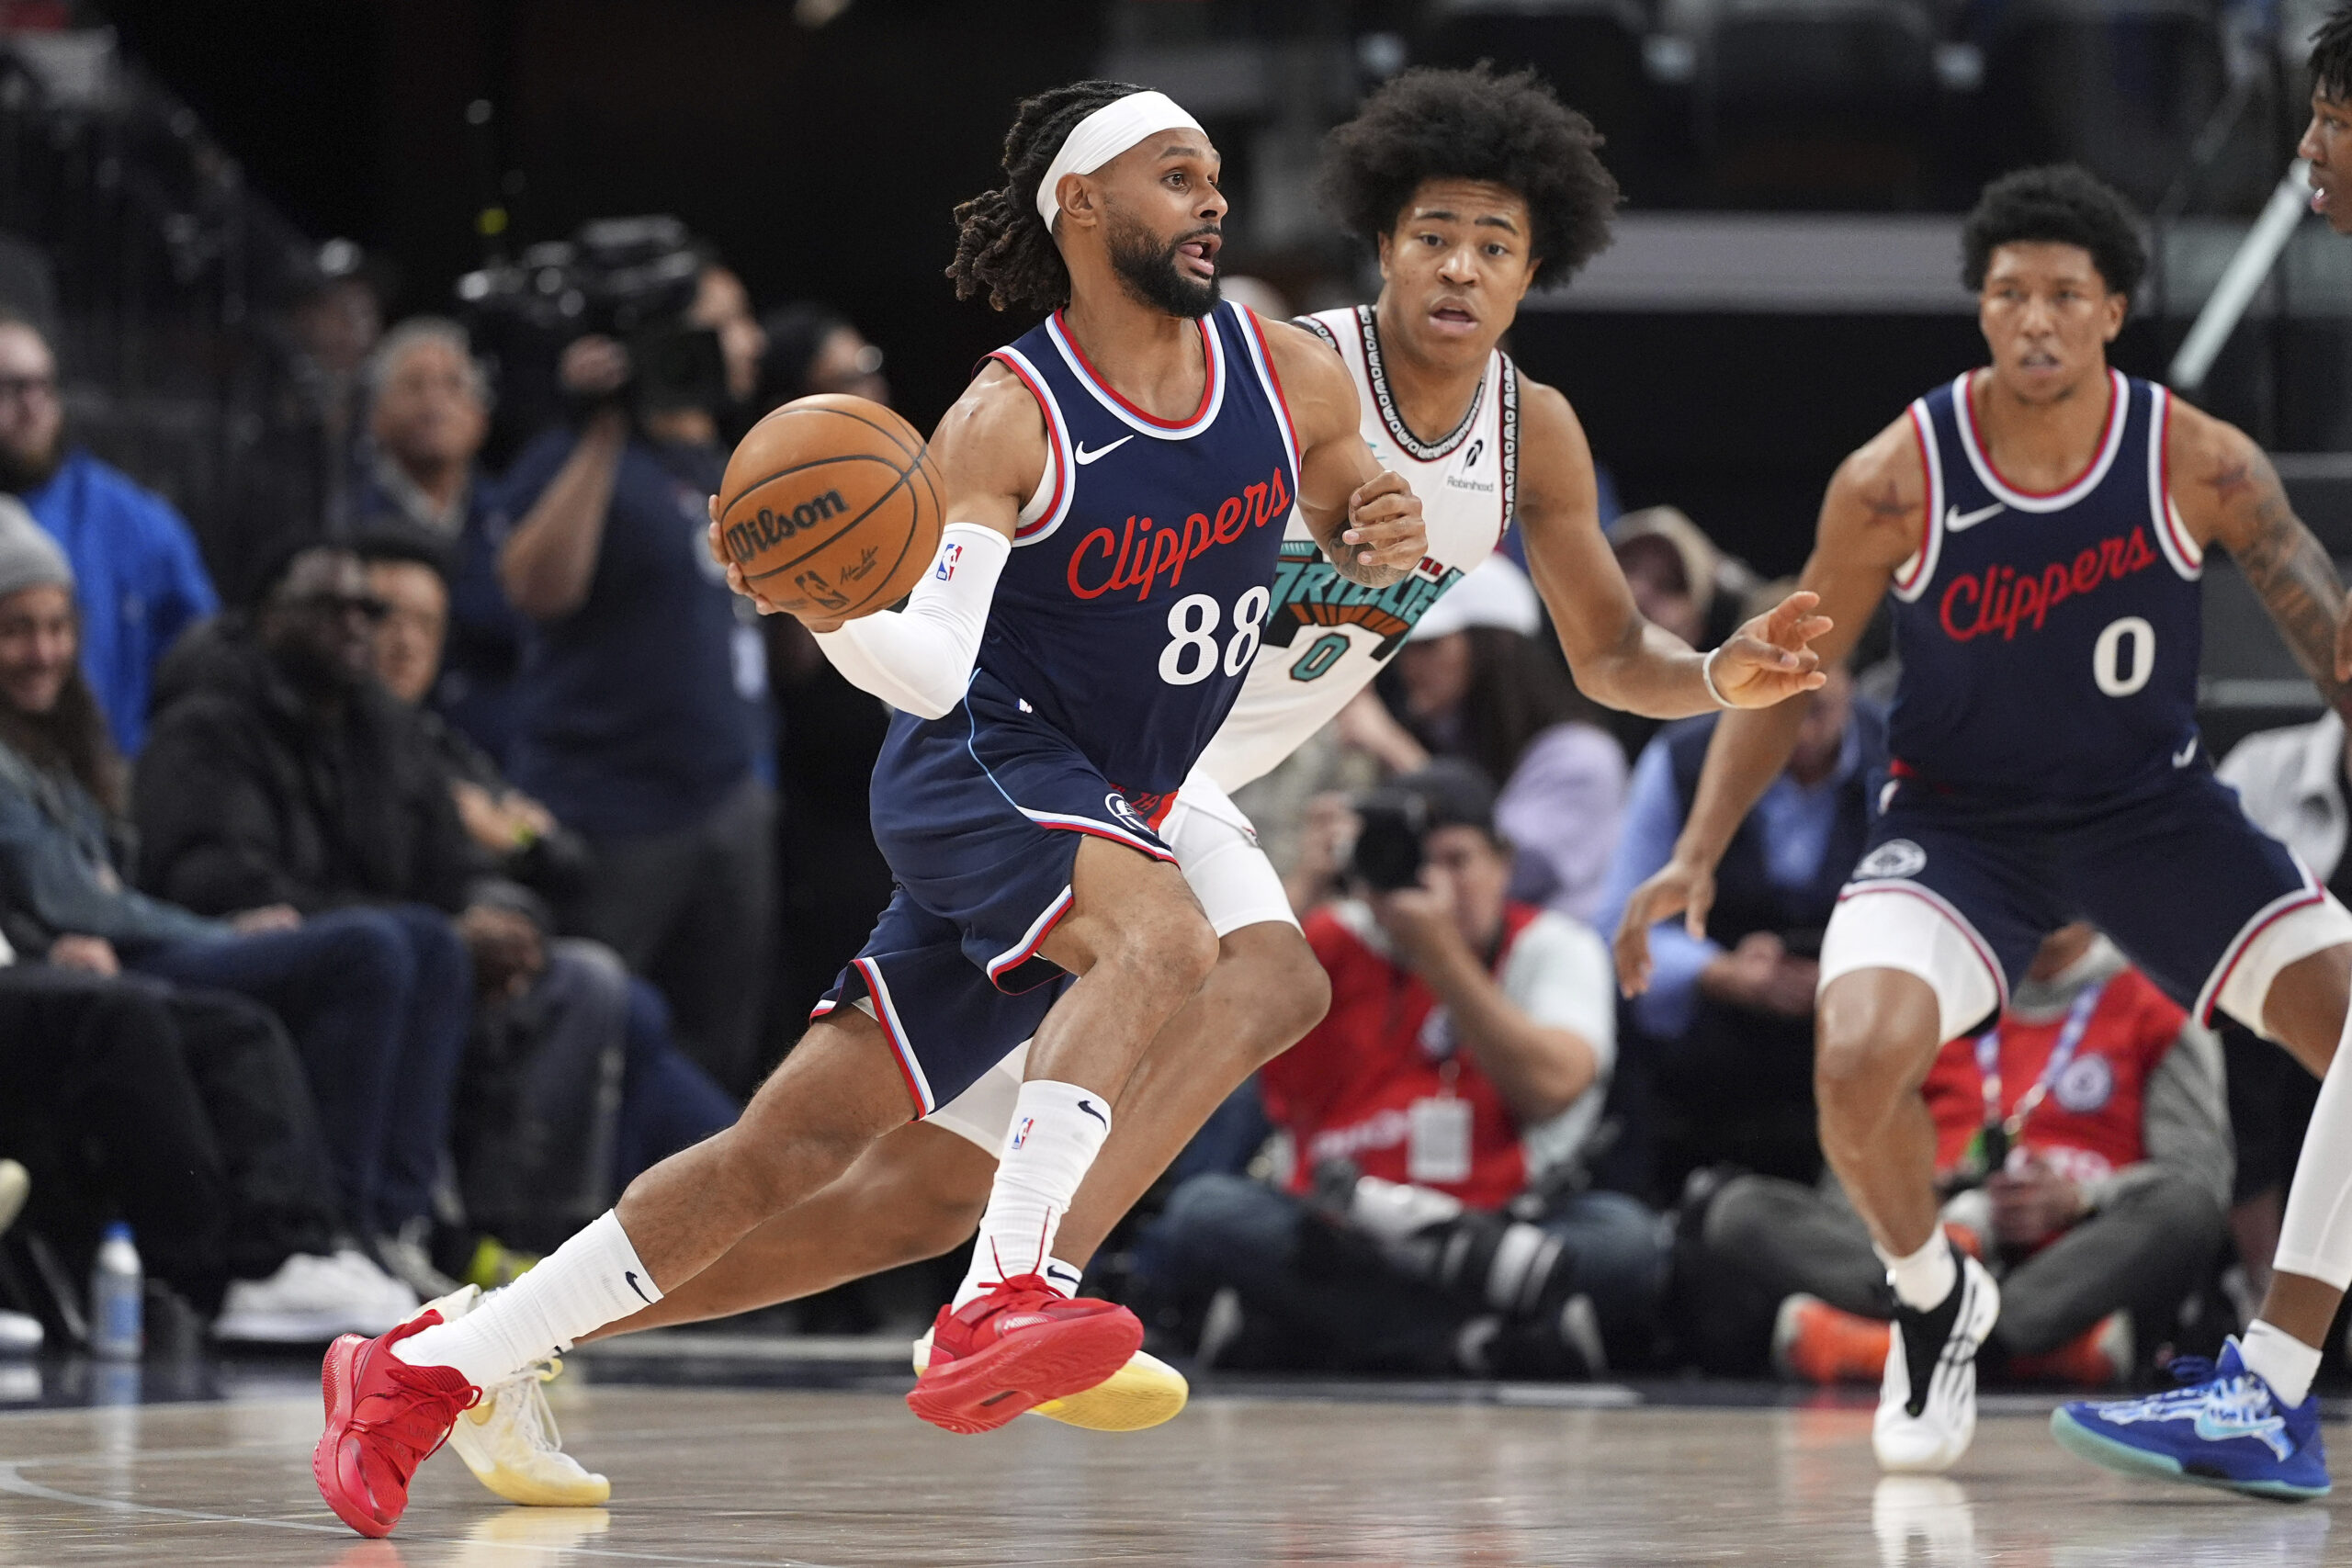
(2223, 1427)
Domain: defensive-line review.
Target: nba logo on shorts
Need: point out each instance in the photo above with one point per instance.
(945, 570)
(1116, 805)
(1020, 1134)
(1896, 857)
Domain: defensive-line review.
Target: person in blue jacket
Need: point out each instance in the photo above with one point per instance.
(140, 580)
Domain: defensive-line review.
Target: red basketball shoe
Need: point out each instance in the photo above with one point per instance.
(1017, 1346)
(384, 1418)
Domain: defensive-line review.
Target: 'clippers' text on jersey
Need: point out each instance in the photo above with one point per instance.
(1142, 570)
(2050, 642)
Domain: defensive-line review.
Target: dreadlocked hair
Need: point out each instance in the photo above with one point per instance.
(1002, 250)
(2332, 55)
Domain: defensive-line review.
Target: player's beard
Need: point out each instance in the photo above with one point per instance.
(22, 471)
(1149, 269)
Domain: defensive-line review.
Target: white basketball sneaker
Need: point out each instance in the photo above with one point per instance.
(510, 1440)
(1926, 1403)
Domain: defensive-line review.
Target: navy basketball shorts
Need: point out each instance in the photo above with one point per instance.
(980, 815)
(1216, 847)
(1959, 890)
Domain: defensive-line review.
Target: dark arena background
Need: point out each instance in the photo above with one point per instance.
(289, 294)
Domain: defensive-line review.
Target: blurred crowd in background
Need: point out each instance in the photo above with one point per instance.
(398, 860)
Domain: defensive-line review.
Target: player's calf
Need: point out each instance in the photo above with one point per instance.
(1285, 992)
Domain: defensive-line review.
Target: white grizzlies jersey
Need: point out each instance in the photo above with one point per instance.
(1326, 638)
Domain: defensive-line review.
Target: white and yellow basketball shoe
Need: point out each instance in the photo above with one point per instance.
(510, 1440)
(1144, 1392)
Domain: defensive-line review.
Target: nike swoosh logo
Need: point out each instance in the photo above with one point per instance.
(2186, 755)
(1955, 520)
(1088, 1106)
(1084, 456)
(2268, 1430)
(630, 1275)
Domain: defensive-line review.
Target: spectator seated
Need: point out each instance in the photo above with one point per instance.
(542, 1146)
(138, 578)
(1441, 1113)
(379, 1056)
(186, 1113)
(2084, 1145)
(428, 417)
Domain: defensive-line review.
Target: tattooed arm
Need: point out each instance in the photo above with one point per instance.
(2229, 495)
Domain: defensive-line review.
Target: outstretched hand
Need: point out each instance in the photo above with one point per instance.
(1678, 887)
(1771, 659)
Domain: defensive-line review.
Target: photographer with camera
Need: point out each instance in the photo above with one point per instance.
(643, 698)
(1719, 1050)
(1442, 1114)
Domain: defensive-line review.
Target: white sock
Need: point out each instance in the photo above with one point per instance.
(592, 1279)
(1922, 1280)
(2316, 1233)
(2280, 1359)
(1057, 1129)
(1063, 1277)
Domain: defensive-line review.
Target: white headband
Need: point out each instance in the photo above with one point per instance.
(1102, 136)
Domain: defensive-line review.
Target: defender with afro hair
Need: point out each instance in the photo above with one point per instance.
(1431, 124)
(2058, 204)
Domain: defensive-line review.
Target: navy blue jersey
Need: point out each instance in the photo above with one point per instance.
(2049, 642)
(1141, 574)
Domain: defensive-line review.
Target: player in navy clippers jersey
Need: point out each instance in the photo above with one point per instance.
(1117, 486)
(2040, 527)
(1118, 482)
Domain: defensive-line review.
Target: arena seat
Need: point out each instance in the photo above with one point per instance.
(2121, 87)
(1837, 98)
(1591, 50)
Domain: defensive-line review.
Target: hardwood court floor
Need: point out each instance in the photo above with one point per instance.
(793, 1477)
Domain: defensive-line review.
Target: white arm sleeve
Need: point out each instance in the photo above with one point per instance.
(920, 658)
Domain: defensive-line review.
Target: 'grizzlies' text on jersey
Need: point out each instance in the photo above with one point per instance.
(1326, 637)
(2049, 642)
(1142, 570)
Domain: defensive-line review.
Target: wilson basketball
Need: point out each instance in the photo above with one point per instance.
(831, 507)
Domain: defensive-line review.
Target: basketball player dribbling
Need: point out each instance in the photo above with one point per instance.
(1470, 187)
(1144, 447)
(2040, 528)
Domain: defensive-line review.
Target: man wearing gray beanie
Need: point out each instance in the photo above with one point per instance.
(138, 576)
(29, 556)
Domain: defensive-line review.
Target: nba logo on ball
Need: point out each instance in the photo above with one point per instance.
(1020, 1134)
(947, 560)
(1116, 805)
